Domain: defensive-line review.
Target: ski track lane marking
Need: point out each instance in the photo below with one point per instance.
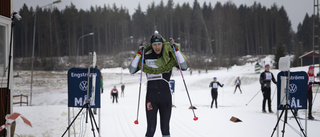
(120, 124)
(190, 132)
(124, 122)
(121, 120)
(179, 129)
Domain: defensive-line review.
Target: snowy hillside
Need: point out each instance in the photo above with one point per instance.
(49, 112)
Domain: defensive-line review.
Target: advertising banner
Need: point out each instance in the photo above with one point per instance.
(78, 85)
(297, 89)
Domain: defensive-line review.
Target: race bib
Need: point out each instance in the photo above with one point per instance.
(214, 85)
(268, 76)
(151, 63)
(238, 82)
(311, 79)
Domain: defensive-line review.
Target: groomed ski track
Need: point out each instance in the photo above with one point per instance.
(117, 119)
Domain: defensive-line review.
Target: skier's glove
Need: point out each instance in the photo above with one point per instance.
(141, 47)
(173, 44)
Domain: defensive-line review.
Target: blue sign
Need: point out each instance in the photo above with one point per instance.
(297, 90)
(172, 86)
(78, 85)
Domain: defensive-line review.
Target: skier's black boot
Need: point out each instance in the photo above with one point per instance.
(310, 117)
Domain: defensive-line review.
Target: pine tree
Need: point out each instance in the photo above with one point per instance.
(280, 49)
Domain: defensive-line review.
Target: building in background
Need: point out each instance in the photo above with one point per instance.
(5, 30)
(307, 59)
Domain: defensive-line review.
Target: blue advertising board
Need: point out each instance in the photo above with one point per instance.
(298, 86)
(172, 86)
(78, 85)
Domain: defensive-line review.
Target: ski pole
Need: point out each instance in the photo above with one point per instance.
(195, 118)
(274, 92)
(136, 121)
(253, 97)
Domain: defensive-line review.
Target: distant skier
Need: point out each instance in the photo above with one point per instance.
(214, 91)
(159, 60)
(311, 80)
(265, 81)
(114, 94)
(238, 83)
(122, 90)
(101, 83)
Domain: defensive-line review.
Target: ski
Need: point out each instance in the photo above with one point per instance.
(268, 113)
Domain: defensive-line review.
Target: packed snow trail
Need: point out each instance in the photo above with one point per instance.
(50, 119)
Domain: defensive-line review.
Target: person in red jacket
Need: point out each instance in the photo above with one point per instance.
(114, 94)
(311, 80)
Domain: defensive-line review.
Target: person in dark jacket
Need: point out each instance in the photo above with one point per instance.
(265, 80)
(238, 83)
(158, 71)
(122, 90)
(214, 91)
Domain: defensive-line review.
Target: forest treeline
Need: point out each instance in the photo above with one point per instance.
(221, 31)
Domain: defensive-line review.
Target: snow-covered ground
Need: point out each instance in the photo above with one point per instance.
(49, 112)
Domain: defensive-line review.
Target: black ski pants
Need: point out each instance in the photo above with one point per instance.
(159, 95)
(237, 86)
(214, 95)
(114, 97)
(310, 98)
(122, 91)
(266, 91)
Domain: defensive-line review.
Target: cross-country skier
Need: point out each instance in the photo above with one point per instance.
(101, 83)
(122, 90)
(159, 60)
(311, 80)
(238, 83)
(114, 94)
(265, 81)
(214, 91)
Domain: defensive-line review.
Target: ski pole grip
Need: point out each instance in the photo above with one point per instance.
(173, 43)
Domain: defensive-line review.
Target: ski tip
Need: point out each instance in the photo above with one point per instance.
(195, 118)
(136, 122)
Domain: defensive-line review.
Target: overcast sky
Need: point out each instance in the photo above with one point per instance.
(296, 9)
